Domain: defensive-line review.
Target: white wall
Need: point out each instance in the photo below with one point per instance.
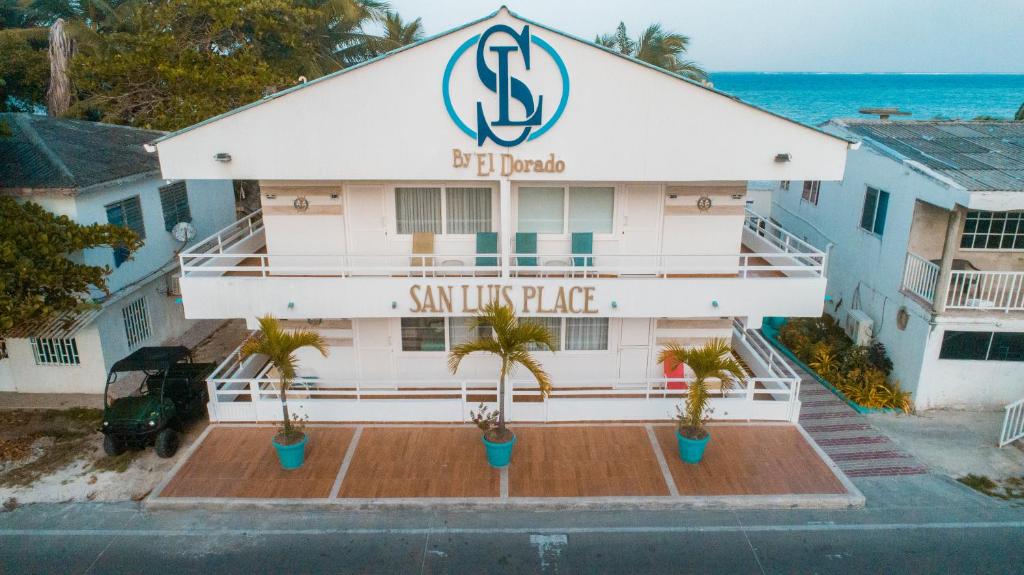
(662, 128)
(966, 383)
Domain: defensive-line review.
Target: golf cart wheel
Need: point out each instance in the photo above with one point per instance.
(166, 443)
(113, 446)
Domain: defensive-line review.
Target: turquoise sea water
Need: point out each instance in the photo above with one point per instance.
(815, 98)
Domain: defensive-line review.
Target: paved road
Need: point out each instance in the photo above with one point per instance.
(895, 534)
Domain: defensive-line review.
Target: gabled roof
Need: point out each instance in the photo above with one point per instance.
(467, 25)
(978, 156)
(53, 153)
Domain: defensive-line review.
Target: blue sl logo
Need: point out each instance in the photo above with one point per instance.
(507, 129)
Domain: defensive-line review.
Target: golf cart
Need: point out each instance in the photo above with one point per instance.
(171, 389)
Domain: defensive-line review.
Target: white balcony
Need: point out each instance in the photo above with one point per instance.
(231, 275)
(246, 390)
(967, 289)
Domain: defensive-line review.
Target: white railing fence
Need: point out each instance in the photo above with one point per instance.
(993, 290)
(920, 277)
(245, 390)
(1013, 423)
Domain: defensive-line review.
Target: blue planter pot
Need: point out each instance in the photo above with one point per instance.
(291, 456)
(499, 454)
(692, 450)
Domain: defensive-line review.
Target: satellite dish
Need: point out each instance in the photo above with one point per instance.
(183, 231)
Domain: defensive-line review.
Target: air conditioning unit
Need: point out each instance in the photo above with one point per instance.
(173, 285)
(859, 327)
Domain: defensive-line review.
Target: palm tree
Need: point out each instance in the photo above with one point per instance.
(396, 33)
(1019, 116)
(512, 341)
(280, 345)
(713, 360)
(658, 47)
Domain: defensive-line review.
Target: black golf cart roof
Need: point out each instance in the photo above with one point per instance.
(152, 358)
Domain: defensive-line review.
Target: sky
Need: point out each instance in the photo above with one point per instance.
(914, 36)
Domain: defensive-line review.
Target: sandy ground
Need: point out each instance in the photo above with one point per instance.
(954, 442)
(79, 481)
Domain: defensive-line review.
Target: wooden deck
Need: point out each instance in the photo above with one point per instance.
(448, 461)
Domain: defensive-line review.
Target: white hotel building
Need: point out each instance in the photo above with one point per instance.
(502, 159)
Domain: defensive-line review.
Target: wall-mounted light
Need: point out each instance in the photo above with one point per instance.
(291, 305)
(222, 157)
(615, 305)
(714, 303)
(150, 148)
(673, 196)
(271, 196)
(782, 158)
(737, 196)
(394, 305)
(334, 196)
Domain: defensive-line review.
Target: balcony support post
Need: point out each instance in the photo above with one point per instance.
(949, 248)
(505, 231)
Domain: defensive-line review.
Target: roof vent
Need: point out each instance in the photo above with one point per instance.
(883, 113)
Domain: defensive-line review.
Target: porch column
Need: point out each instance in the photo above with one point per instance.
(505, 217)
(946, 266)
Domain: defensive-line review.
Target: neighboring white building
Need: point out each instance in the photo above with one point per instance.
(502, 160)
(100, 173)
(927, 235)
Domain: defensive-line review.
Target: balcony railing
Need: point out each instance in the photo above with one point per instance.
(968, 289)
(239, 250)
(247, 390)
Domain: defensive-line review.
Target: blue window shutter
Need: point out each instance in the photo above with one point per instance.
(883, 206)
(174, 202)
(126, 213)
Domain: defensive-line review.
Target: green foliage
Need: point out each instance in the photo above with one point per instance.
(711, 361)
(280, 345)
(1019, 116)
(24, 69)
(511, 343)
(37, 279)
(656, 46)
(859, 372)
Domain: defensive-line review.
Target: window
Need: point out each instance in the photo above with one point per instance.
(876, 204)
(174, 202)
(126, 213)
(544, 209)
(136, 322)
(586, 333)
(541, 210)
(993, 231)
(460, 331)
(554, 325)
(468, 210)
(423, 334)
(52, 351)
(590, 210)
(982, 345)
(784, 185)
(811, 191)
(418, 210)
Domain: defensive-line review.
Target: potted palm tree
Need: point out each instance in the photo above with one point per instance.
(511, 343)
(713, 360)
(280, 345)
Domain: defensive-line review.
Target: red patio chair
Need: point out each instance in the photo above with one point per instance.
(674, 372)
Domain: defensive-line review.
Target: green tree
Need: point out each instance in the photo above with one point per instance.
(656, 46)
(280, 345)
(512, 342)
(1019, 116)
(24, 69)
(38, 278)
(396, 33)
(713, 360)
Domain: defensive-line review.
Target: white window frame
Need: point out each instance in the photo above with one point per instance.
(136, 321)
(986, 235)
(392, 211)
(55, 351)
(811, 194)
(448, 337)
(565, 234)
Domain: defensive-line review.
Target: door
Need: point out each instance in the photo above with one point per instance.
(641, 229)
(367, 226)
(634, 349)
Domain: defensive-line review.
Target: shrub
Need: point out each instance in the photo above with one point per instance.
(859, 372)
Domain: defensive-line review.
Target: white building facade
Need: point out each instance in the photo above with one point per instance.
(926, 243)
(119, 183)
(502, 161)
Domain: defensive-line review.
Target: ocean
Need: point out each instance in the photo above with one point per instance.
(813, 98)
